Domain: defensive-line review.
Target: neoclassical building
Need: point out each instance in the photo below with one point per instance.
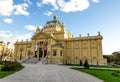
(60, 47)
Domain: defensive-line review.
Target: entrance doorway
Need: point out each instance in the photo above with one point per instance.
(35, 54)
(40, 53)
(45, 53)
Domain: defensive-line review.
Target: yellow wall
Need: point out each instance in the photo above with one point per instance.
(73, 49)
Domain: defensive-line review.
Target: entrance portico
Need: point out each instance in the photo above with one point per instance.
(41, 51)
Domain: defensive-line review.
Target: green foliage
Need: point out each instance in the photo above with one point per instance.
(109, 58)
(106, 75)
(6, 73)
(116, 57)
(2, 62)
(116, 73)
(10, 66)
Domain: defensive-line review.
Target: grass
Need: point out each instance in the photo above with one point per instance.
(100, 66)
(104, 66)
(0, 66)
(6, 73)
(106, 75)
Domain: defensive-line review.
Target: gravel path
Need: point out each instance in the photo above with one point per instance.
(48, 73)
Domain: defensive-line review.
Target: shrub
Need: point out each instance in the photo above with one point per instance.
(10, 66)
(115, 73)
(2, 62)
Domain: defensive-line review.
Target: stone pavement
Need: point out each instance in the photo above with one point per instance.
(49, 73)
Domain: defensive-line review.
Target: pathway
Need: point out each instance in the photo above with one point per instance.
(49, 73)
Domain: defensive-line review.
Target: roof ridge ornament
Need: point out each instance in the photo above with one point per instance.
(55, 18)
(37, 30)
(99, 34)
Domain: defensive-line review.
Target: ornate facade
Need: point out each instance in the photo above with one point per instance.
(61, 47)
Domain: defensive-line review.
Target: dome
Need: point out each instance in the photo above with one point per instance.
(53, 23)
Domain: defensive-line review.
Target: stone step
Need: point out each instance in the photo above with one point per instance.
(31, 60)
(36, 60)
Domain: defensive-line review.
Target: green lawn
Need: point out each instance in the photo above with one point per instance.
(105, 75)
(100, 66)
(105, 66)
(6, 73)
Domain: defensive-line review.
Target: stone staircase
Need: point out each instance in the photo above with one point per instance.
(31, 60)
(44, 60)
(34, 60)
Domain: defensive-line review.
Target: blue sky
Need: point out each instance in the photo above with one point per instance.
(19, 19)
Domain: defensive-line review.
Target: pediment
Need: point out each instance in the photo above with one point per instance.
(41, 36)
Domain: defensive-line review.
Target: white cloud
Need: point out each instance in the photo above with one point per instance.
(69, 6)
(10, 37)
(48, 13)
(51, 2)
(30, 27)
(73, 5)
(21, 9)
(6, 7)
(96, 1)
(23, 37)
(2, 31)
(8, 20)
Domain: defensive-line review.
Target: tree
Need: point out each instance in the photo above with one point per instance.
(109, 58)
(116, 57)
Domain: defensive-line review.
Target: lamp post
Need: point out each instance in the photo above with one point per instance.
(21, 49)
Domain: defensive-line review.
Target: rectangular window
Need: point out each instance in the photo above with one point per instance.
(41, 43)
(54, 52)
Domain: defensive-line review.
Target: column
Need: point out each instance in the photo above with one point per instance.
(72, 54)
(89, 52)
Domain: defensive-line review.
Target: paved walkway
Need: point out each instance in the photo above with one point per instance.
(48, 73)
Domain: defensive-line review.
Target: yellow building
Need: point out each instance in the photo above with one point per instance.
(5, 51)
(60, 47)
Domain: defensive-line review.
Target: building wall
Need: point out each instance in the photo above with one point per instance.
(22, 49)
(84, 48)
(58, 58)
(73, 49)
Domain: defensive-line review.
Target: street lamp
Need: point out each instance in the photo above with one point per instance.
(21, 49)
